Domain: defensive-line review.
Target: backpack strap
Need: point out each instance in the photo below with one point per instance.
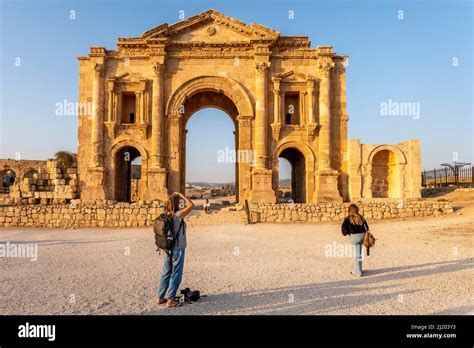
(367, 247)
(179, 229)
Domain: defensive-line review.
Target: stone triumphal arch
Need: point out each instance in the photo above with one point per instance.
(285, 98)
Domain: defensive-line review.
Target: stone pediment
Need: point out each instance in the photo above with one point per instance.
(127, 82)
(292, 76)
(210, 27)
(129, 77)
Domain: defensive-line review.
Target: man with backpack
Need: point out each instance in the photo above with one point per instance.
(170, 236)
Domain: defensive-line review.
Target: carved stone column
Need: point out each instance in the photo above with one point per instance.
(118, 113)
(311, 123)
(310, 90)
(97, 115)
(262, 190)
(175, 135)
(245, 156)
(157, 120)
(138, 109)
(96, 174)
(326, 177)
(110, 85)
(261, 114)
(157, 173)
(143, 108)
(325, 115)
(277, 108)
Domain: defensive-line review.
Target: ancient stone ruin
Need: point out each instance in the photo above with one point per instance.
(33, 182)
(286, 99)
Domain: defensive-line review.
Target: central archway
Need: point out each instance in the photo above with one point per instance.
(209, 92)
(198, 102)
(210, 158)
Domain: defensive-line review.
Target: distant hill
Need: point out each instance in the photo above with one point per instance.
(210, 184)
(285, 183)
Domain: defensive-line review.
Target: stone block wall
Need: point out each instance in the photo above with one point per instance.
(50, 184)
(105, 213)
(81, 214)
(267, 212)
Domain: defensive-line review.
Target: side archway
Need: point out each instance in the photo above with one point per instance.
(302, 161)
(8, 177)
(385, 172)
(128, 171)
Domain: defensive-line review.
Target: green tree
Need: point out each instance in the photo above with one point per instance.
(65, 158)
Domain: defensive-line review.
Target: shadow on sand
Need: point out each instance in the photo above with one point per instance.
(324, 298)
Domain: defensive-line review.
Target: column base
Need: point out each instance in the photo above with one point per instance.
(156, 185)
(262, 191)
(326, 186)
(95, 186)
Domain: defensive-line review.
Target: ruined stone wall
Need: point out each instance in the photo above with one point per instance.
(81, 214)
(21, 167)
(267, 212)
(49, 184)
(112, 214)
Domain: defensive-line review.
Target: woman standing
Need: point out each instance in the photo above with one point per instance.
(355, 226)
(173, 269)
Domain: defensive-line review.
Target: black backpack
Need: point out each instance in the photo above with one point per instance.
(164, 236)
(191, 296)
(163, 229)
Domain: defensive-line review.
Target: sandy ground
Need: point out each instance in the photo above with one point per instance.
(418, 266)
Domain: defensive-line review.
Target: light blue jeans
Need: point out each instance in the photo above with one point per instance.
(357, 240)
(172, 274)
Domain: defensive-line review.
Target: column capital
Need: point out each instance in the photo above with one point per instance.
(99, 70)
(276, 85)
(325, 64)
(261, 68)
(158, 69)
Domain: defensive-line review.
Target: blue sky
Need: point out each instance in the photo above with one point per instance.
(403, 60)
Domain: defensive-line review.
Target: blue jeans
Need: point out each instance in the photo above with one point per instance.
(357, 240)
(172, 274)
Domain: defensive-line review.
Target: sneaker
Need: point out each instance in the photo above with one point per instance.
(356, 274)
(173, 303)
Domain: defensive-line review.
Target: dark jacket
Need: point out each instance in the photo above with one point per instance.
(348, 228)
